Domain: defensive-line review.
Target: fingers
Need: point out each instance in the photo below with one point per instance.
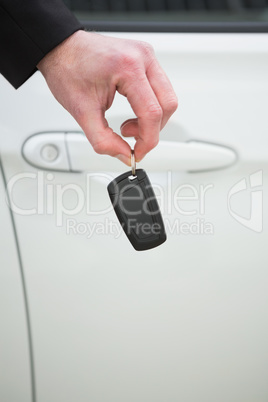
(163, 90)
(153, 100)
(103, 139)
(85, 76)
(130, 128)
(148, 111)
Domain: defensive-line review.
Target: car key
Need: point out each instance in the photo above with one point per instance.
(137, 209)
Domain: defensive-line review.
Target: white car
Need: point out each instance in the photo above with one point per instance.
(85, 317)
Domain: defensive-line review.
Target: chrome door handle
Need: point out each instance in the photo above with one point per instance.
(72, 152)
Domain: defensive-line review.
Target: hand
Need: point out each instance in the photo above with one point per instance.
(86, 70)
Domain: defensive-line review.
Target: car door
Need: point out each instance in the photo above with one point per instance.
(185, 321)
(16, 370)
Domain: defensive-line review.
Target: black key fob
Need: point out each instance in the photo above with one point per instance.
(137, 209)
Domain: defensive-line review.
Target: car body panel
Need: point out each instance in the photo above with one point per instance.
(15, 363)
(188, 320)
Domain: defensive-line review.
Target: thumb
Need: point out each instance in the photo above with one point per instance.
(103, 139)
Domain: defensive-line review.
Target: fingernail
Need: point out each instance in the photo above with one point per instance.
(127, 122)
(124, 124)
(123, 158)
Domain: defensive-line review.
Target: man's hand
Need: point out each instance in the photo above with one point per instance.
(86, 70)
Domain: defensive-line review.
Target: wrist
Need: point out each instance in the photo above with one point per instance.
(61, 52)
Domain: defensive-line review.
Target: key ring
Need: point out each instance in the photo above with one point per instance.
(133, 163)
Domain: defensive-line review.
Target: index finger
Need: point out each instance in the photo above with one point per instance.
(148, 111)
(163, 90)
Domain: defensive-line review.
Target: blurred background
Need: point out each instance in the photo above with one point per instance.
(171, 10)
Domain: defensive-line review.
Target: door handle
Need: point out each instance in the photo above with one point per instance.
(72, 152)
(168, 155)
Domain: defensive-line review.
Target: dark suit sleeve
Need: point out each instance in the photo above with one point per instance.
(29, 29)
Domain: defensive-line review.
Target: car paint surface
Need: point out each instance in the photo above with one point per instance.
(186, 321)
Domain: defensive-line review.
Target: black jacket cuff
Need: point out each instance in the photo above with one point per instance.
(30, 29)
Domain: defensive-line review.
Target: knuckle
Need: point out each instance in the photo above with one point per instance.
(152, 143)
(127, 60)
(171, 105)
(78, 111)
(100, 147)
(129, 66)
(146, 48)
(155, 112)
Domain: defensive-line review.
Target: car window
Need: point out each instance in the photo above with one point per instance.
(171, 10)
